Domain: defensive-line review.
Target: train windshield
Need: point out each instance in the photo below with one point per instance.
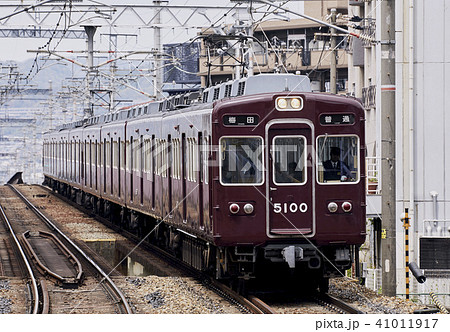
(338, 159)
(241, 160)
(289, 160)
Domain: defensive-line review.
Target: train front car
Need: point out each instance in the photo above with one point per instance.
(289, 192)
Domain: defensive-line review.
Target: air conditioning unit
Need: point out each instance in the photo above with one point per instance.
(356, 2)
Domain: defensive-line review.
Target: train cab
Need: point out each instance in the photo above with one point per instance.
(289, 179)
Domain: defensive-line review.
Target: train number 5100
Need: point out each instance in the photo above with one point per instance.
(290, 207)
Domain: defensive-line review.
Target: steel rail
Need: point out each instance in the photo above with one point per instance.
(66, 252)
(34, 288)
(339, 304)
(264, 307)
(251, 305)
(105, 276)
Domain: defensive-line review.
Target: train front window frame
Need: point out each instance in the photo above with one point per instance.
(282, 174)
(348, 147)
(232, 174)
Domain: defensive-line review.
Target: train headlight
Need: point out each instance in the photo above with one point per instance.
(295, 103)
(234, 208)
(291, 103)
(281, 103)
(332, 207)
(347, 206)
(248, 208)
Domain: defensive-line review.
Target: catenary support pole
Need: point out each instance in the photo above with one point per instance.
(388, 198)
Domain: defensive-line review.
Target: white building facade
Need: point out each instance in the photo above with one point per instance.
(423, 141)
(422, 53)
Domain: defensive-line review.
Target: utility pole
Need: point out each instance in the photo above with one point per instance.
(388, 199)
(333, 63)
(157, 84)
(90, 32)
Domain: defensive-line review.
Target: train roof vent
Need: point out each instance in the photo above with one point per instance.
(205, 96)
(241, 88)
(227, 90)
(216, 93)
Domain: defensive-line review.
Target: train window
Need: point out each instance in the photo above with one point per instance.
(137, 155)
(241, 160)
(115, 148)
(159, 157)
(148, 156)
(338, 159)
(192, 159)
(128, 155)
(108, 153)
(289, 160)
(99, 154)
(205, 158)
(164, 159)
(176, 158)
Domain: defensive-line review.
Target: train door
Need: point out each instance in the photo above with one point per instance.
(169, 174)
(183, 175)
(290, 183)
(200, 178)
(141, 168)
(153, 170)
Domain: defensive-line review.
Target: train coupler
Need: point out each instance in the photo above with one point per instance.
(292, 254)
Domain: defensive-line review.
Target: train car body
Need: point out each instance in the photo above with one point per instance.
(233, 183)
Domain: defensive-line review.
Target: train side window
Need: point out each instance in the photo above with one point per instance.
(158, 160)
(188, 159)
(164, 156)
(128, 155)
(194, 159)
(137, 154)
(241, 160)
(206, 157)
(289, 160)
(338, 159)
(176, 164)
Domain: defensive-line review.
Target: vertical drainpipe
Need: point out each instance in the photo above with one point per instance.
(412, 207)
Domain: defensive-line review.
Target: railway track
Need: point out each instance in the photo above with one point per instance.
(45, 199)
(337, 305)
(70, 251)
(38, 297)
(250, 304)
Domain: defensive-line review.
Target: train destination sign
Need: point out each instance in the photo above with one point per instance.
(240, 120)
(337, 119)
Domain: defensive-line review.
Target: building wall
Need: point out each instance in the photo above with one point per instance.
(313, 59)
(425, 141)
(320, 9)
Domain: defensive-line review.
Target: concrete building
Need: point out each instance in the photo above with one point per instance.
(422, 55)
(284, 46)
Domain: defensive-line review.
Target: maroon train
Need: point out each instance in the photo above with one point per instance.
(236, 180)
